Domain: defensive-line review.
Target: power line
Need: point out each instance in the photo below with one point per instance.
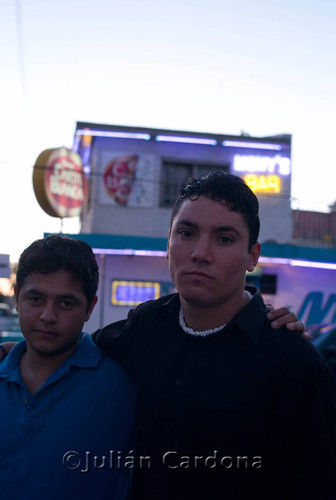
(16, 164)
(18, 12)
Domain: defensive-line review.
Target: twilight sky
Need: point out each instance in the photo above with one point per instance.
(218, 66)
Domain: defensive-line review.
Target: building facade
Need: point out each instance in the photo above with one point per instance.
(134, 177)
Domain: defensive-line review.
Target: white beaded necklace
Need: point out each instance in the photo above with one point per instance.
(203, 333)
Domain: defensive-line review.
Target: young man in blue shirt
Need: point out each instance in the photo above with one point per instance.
(67, 410)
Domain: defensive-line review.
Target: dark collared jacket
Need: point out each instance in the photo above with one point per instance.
(247, 412)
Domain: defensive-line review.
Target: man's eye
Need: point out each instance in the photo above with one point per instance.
(185, 233)
(34, 300)
(225, 239)
(66, 304)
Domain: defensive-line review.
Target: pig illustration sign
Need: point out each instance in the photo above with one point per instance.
(119, 177)
(127, 179)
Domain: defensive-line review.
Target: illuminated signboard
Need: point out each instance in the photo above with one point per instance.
(132, 293)
(60, 184)
(263, 173)
(277, 164)
(270, 183)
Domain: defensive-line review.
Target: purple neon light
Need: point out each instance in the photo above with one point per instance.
(298, 263)
(274, 260)
(117, 135)
(130, 251)
(265, 260)
(308, 263)
(251, 145)
(187, 140)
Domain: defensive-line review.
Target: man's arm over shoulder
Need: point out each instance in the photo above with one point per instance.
(114, 339)
(119, 339)
(106, 337)
(127, 340)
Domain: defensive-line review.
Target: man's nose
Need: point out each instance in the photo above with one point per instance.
(48, 313)
(202, 250)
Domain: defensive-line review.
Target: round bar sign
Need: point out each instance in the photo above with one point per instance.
(60, 184)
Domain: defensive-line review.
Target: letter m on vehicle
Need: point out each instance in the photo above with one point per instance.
(313, 311)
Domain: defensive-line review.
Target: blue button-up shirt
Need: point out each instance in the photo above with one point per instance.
(74, 436)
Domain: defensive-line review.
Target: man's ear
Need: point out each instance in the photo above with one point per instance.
(92, 305)
(167, 254)
(254, 256)
(16, 293)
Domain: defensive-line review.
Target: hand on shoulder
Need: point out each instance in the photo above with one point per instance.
(284, 317)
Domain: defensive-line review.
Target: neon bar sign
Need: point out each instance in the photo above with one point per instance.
(132, 293)
(275, 165)
(270, 183)
(263, 173)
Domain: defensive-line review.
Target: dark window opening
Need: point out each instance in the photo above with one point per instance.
(175, 175)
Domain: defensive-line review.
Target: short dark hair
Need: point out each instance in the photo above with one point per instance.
(57, 252)
(220, 186)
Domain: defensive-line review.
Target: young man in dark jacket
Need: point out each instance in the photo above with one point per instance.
(228, 408)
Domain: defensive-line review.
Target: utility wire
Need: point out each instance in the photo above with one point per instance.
(18, 13)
